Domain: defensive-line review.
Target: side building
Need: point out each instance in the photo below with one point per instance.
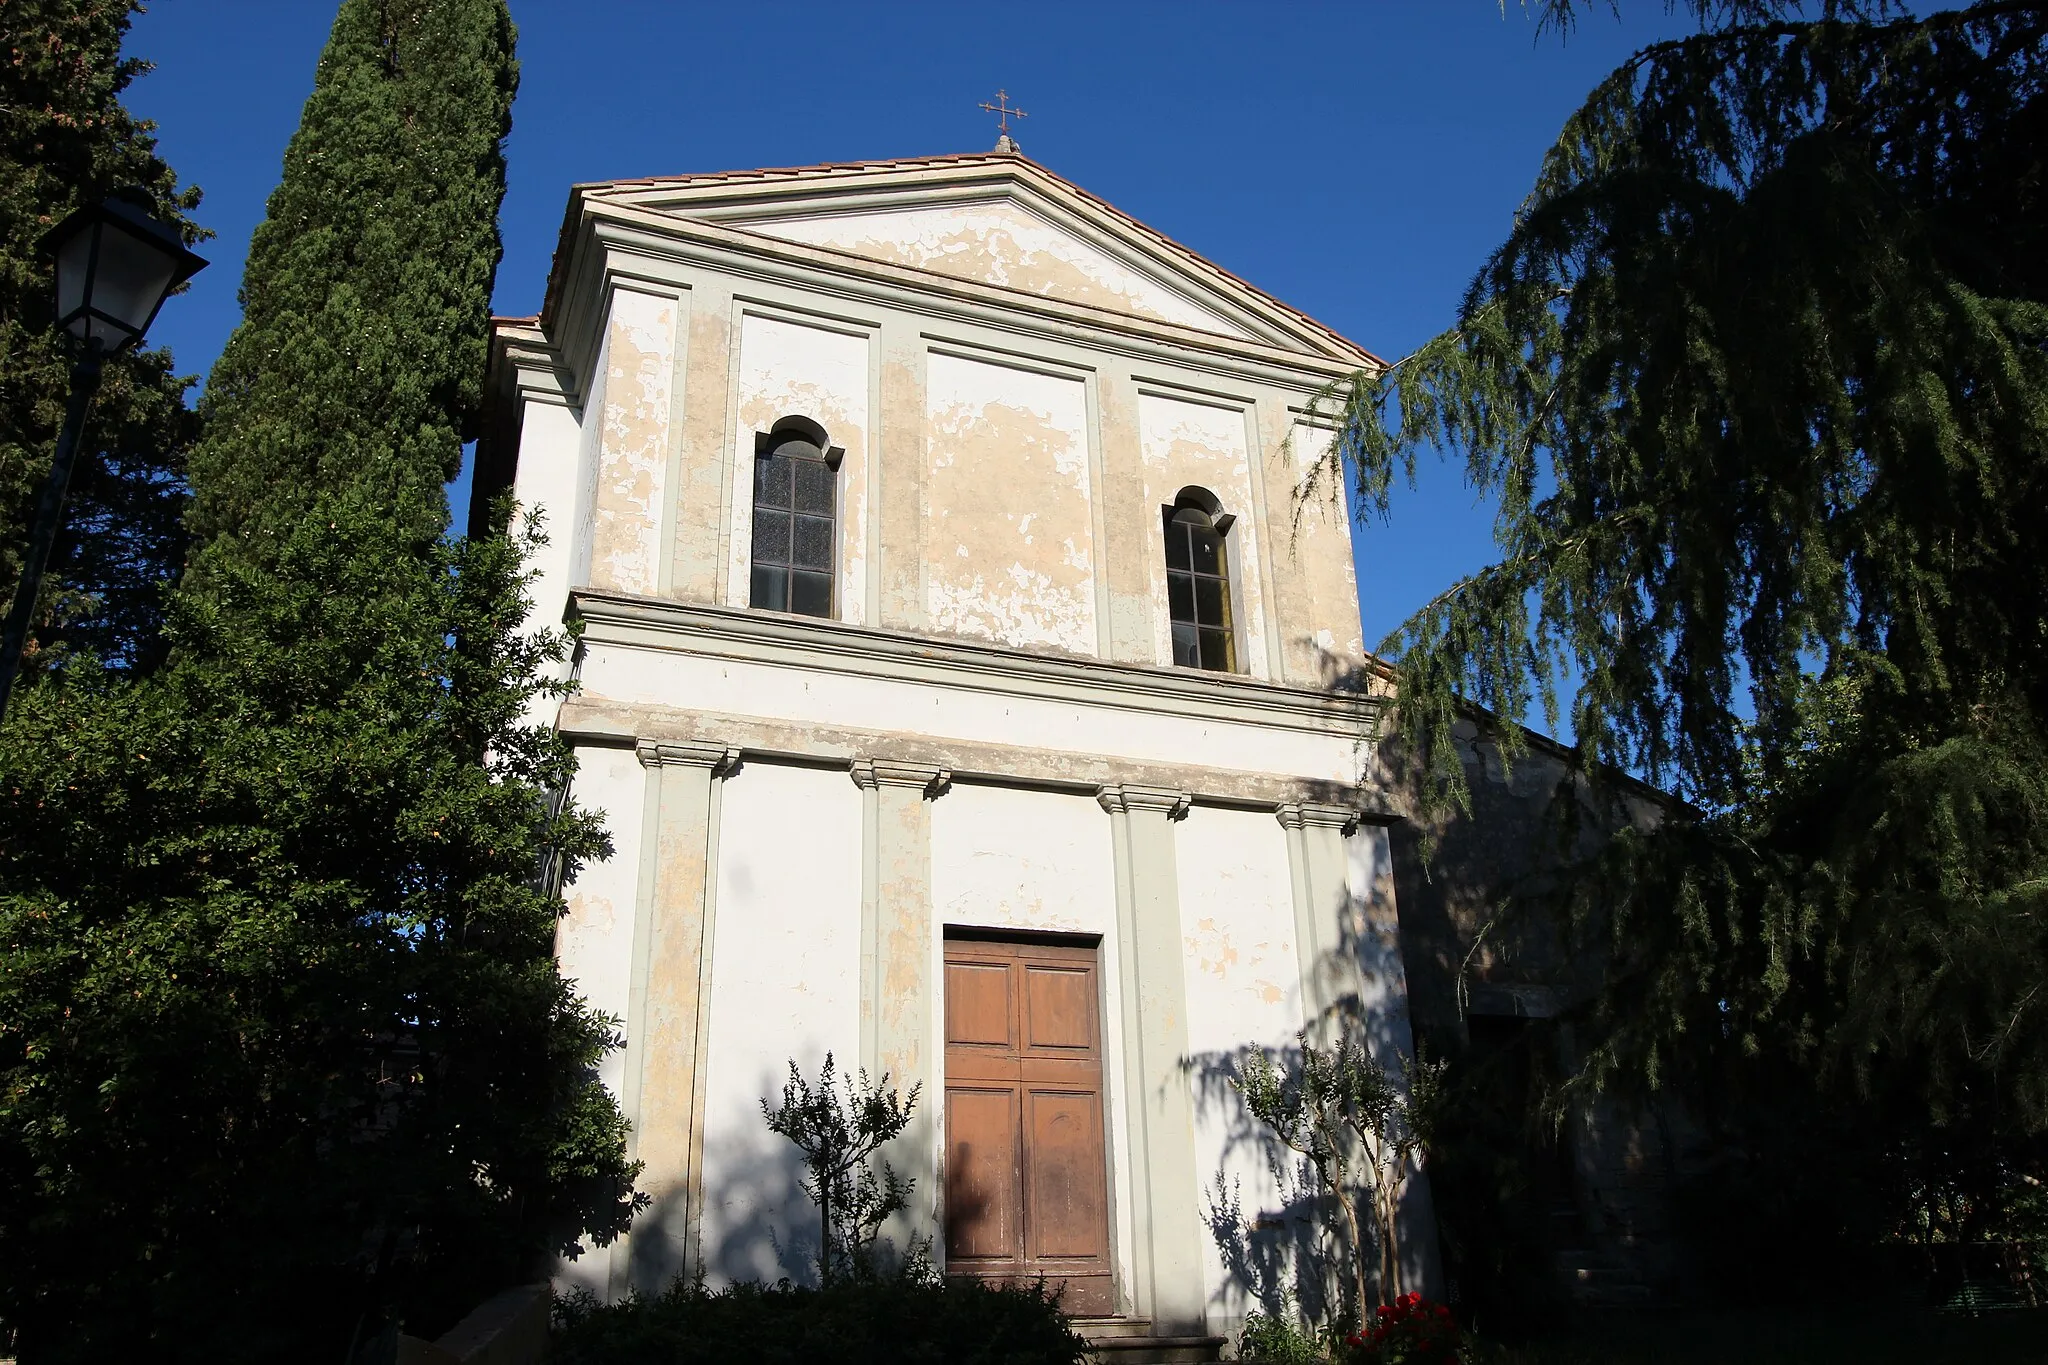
(969, 695)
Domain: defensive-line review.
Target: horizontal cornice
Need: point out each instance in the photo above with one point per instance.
(800, 642)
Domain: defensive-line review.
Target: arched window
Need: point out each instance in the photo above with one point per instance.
(796, 514)
(1198, 582)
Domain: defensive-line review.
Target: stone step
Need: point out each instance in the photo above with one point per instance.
(1150, 1350)
(1095, 1328)
(1130, 1341)
(1604, 1287)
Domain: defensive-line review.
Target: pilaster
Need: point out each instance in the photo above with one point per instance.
(1127, 549)
(708, 462)
(900, 454)
(898, 984)
(1166, 1262)
(668, 1000)
(1317, 866)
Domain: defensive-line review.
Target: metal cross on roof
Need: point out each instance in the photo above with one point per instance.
(1004, 111)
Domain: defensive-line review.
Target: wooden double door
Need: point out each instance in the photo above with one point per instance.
(1027, 1192)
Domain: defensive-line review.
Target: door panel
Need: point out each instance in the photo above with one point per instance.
(981, 1177)
(1024, 1056)
(1063, 1155)
(978, 1004)
(1059, 1009)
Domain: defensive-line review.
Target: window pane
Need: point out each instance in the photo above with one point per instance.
(771, 535)
(1180, 598)
(1216, 650)
(1210, 607)
(771, 482)
(770, 589)
(1176, 544)
(1207, 550)
(814, 481)
(1184, 648)
(813, 543)
(810, 593)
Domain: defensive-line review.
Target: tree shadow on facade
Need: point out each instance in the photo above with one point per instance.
(1292, 1257)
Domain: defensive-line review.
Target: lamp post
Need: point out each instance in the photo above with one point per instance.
(116, 263)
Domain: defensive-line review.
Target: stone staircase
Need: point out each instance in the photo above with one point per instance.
(1129, 1341)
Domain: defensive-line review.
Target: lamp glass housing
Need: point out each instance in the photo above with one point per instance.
(115, 266)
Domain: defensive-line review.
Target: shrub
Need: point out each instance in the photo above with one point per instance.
(1277, 1340)
(1409, 1331)
(898, 1320)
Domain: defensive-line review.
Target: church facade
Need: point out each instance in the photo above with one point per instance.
(971, 694)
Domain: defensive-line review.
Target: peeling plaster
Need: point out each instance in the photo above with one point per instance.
(633, 442)
(1001, 244)
(1007, 457)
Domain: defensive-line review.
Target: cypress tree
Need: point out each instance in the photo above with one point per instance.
(298, 1065)
(66, 140)
(1760, 377)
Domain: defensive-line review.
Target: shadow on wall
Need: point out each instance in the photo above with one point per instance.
(1291, 1256)
(758, 1223)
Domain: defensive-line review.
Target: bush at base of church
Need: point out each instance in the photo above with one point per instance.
(868, 1321)
(1409, 1331)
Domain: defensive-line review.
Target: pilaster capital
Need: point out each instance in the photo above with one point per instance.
(1122, 797)
(719, 759)
(1316, 815)
(870, 773)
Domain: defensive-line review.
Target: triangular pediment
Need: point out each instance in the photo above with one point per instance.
(996, 220)
(1000, 242)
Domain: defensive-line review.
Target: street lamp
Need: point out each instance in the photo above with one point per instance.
(116, 263)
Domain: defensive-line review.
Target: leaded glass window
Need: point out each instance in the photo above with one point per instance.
(1198, 590)
(796, 502)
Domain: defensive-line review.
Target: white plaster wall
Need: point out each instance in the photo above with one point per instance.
(544, 491)
(589, 444)
(633, 444)
(784, 986)
(1000, 242)
(1004, 858)
(544, 494)
(792, 369)
(1185, 443)
(1321, 539)
(594, 939)
(1009, 552)
(1243, 990)
(773, 691)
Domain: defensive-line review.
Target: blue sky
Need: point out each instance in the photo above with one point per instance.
(1357, 160)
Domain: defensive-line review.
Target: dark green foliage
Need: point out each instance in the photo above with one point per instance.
(885, 1321)
(294, 1050)
(66, 140)
(1760, 378)
(360, 359)
(288, 1054)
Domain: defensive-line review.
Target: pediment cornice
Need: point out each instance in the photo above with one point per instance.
(748, 207)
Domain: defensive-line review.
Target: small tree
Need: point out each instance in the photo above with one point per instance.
(1358, 1131)
(855, 1193)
